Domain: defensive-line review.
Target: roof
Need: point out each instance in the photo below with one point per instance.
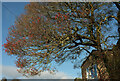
(92, 54)
(88, 57)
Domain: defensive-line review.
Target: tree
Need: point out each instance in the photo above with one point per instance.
(55, 32)
(4, 79)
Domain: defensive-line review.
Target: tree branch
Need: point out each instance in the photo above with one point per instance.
(117, 5)
(86, 44)
(86, 50)
(89, 38)
(110, 37)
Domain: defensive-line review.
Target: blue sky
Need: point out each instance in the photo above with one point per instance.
(9, 12)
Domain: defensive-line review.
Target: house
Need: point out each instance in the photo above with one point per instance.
(94, 67)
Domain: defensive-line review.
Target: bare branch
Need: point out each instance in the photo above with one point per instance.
(110, 37)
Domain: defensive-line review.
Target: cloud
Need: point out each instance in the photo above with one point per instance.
(10, 72)
(47, 75)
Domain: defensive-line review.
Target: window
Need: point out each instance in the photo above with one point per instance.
(92, 72)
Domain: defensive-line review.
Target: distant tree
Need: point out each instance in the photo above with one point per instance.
(4, 79)
(51, 33)
(15, 80)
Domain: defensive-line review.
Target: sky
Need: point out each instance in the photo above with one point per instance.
(10, 10)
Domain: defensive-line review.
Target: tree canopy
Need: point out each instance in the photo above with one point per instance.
(55, 32)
